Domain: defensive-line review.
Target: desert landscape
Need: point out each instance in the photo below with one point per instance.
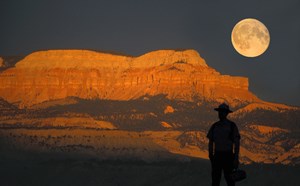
(85, 117)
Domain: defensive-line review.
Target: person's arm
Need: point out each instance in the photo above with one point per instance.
(236, 149)
(210, 143)
(210, 149)
(237, 138)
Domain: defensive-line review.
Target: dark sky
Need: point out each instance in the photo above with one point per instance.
(139, 26)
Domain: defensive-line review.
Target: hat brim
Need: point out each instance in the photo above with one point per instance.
(223, 110)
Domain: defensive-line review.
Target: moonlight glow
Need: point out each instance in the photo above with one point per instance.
(250, 37)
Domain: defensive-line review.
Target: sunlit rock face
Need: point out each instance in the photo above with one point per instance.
(2, 64)
(56, 74)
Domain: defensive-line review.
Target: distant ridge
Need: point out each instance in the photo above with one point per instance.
(179, 74)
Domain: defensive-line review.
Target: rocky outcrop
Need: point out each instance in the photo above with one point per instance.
(169, 109)
(57, 74)
(2, 64)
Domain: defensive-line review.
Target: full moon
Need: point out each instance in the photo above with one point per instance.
(250, 37)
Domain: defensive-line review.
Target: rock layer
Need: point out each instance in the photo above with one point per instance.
(57, 74)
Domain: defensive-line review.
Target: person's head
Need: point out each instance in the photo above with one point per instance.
(223, 111)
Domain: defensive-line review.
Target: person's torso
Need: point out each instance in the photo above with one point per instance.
(222, 136)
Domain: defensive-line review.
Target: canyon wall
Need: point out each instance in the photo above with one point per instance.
(57, 74)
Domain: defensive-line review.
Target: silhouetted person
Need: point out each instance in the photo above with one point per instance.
(224, 146)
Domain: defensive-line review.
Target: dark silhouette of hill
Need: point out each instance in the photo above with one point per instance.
(47, 169)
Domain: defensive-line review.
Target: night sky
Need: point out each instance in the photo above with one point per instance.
(140, 26)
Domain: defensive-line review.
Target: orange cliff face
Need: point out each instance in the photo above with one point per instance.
(2, 64)
(57, 74)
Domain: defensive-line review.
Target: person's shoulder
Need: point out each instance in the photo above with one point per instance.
(215, 123)
(213, 126)
(233, 124)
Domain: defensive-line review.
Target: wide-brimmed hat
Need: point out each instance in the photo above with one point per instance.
(223, 107)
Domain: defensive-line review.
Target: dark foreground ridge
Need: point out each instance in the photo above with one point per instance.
(59, 170)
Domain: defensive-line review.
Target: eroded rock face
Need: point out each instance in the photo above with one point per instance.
(56, 74)
(2, 64)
